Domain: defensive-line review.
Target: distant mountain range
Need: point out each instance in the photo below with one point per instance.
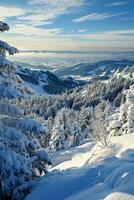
(101, 70)
(27, 81)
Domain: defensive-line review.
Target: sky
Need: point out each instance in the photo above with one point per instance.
(64, 25)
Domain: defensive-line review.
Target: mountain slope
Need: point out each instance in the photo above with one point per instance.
(89, 171)
(12, 86)
(45, 82)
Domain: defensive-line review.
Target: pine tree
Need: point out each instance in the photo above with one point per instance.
(5, 49)
(4, 27)
(22, 157)
(122, 120)
(99, 130)
(84, 120)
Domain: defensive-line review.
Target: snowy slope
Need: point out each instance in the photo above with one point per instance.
(24, 82)
(90, 172)
(45, 82)
(12, 86)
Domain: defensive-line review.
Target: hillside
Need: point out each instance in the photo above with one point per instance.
(76, 128)
(23, 82)
(45, 82)
(89, 171)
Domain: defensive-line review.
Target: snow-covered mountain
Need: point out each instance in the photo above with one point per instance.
(88, 131)
(46, 82)
(23, 82)
(101, 70)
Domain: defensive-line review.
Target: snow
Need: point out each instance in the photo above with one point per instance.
(43, 155)
(38, 89)
(11, 85)
(63, 160)
(31, 125)
(90, 172)
(11, 50)
(10, 110)
(4, 62)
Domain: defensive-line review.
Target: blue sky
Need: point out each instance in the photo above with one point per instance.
(81, 25)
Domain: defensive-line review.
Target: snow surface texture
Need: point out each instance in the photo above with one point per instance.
(90, 172)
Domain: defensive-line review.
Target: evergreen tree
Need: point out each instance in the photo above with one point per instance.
(99, 125)
(22, 157)
(84, 120)
(5, 49)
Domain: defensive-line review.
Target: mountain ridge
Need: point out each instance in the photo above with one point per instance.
(102, 69)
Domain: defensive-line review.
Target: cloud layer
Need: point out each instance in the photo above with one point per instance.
(69, 24)
(6, 12)
(51, 9)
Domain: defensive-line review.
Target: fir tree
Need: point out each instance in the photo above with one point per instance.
(5, 49)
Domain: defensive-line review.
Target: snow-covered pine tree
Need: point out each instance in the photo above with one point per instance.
(11, 85)
(66, 131)
(130, 110)
(22, 157)
(122, 120)
(59, 131)
(84, 120)
(4, 27)
(99, 123)
(5, 49)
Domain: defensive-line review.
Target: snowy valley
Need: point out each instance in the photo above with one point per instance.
(63, 138)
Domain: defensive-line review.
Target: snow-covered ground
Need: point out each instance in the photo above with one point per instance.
(89, 172)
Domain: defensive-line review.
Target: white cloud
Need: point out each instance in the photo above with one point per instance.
(50, 9)
(122, 32)
(6, 12)
(42, 12)
(82, 31)
(96, 17)
(29, 30)
(37, 18)
(51, 40)
(110, 36)
(118, 3)
(60, 4)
